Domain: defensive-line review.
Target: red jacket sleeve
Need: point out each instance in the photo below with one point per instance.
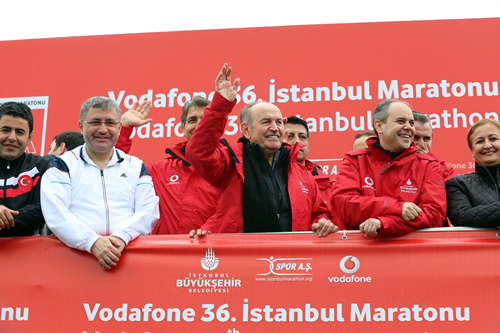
(203, 150)
(124, 142)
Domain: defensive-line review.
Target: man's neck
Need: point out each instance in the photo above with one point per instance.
(100, 159)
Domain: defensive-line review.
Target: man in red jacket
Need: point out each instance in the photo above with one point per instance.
(296, 130)
(423, 139)
(186, 200)
(261, 186)
(390, 188)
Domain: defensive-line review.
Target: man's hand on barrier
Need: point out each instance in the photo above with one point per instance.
(106, 252)
(370, 227)
(137, 114)
(118, 243)
(6, 218)
(323, 227)
(410, 211)
(199, 233)
(223, 83)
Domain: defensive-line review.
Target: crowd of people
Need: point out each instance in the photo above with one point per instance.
(95, 197)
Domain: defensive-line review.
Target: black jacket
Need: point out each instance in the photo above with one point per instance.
(20, 190)
(473, 199)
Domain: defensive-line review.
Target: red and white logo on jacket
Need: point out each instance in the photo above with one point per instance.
(174, 180)
(408, 187)
(369, 183)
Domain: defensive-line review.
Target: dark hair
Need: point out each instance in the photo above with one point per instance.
(297, 121)
(196, 101)
(362, 134)
(16, 109)
(71, 139)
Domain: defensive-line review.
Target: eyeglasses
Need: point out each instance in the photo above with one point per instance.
(98, 123)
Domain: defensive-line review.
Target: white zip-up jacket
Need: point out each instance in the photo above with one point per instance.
(81, 202)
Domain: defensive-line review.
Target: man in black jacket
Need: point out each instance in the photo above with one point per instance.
(20, 173)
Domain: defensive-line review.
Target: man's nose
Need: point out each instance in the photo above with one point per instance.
(103, 128)
(12, 136)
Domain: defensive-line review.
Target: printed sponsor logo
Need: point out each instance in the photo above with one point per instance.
(287, 269)
(304, 188)
(174, 180)
(369, 183)
(408, 187)
(349, 270)
(210, 262)
(208, 282)
(349, 265)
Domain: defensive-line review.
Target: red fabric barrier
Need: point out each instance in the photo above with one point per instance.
(426, 281)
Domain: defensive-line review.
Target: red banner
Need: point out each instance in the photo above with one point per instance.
(426, 281)
(331, 75)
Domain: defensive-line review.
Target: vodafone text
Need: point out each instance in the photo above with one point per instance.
(305, 313)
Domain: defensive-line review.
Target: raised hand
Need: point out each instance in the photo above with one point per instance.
(223, 83)
(137, 114)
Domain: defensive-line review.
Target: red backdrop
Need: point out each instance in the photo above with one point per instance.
(446, 69)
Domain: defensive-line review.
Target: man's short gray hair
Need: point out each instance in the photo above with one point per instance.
(99, 102)
(197, 101)
(380, 112)
(245, 114)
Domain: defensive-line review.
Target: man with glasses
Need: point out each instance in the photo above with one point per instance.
(96, 198)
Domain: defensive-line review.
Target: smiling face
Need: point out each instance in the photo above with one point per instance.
(265, 128)
(294, 133)
(100, 139)
(423, 136)
(397, 133)
(193, 117)
(485, 145)
(15, 136)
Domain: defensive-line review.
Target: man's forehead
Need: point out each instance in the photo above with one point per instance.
(102, 113)
(296, 128)
(14, 122)
(195, 111)
(266, 110)
(399, 110)
(421, 127)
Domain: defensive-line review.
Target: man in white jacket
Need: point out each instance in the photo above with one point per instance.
(95, 197)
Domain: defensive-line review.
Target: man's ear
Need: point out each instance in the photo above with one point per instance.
(245, 130)
(30, 137)
(61, 149)
(378, 126)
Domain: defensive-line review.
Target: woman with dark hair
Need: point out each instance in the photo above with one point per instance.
(473, 199)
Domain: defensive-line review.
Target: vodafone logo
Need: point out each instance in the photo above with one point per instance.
(369, 183)
(346, 266)
(349, 270)
(25, 181)
(174, 180)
